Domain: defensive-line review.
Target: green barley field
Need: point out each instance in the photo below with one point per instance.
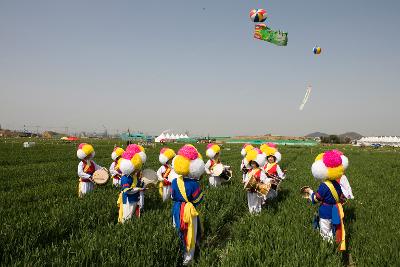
(44, 223)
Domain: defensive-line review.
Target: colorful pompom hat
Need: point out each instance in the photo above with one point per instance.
(212, 150)
(130, 161)
(117, 152)
(329, 165)
(271, 149)
(137, 149)
(255, 155)
(246, 148)
(84, 151)
(188, 162)
(166, 154)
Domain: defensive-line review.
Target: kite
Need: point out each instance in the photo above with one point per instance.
(262, 32)
(317, 50)
(258, 15)
(306, 96)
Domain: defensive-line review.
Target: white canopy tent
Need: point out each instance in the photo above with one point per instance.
(381, 140)
(166, 136)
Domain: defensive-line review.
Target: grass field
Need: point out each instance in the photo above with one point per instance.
(44, 223)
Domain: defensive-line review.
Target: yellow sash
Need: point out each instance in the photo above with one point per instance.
(119, 201)
(189, 214)
(342, 245)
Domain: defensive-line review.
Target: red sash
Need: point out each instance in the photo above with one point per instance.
(89, 169)
(257, 175)
(271, 170)
(213, 163)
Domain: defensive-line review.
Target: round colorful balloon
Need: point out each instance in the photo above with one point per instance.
(317, 50)
(258, 15)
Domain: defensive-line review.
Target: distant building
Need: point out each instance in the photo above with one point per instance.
(135, 137)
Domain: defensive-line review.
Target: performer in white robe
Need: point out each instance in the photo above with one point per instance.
(86, 168)
(165, 173)
(114, 171)
(213, 153)
(245, 168)
(272, 169)
(255, 158)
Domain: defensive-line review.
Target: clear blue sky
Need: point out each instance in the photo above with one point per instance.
(194, 65)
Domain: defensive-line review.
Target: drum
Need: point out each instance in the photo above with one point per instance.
(222, 171)
(304, 192)
(218, 169)
(227, 173)
(149, 177)
(101, 176)
(251, 183)
(263, 189)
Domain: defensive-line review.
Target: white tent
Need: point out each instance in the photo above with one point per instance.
(381, 140)
(167, 136)
(159, 138)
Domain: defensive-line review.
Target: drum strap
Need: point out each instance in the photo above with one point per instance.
(256, 173)
(167, 171)
(271, 168)
(189, 214)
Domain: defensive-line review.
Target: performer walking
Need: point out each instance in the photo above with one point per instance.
(86, 168)
(114, 171)
(255, 158)
(328, 167)
(166, 156)
(213, 153)
(131, 185)
(243, 167)
(186, 196)
(272, 169)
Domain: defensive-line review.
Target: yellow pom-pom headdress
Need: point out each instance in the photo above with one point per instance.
(188, 162)
(255, 155)
(212, 150)
(246, 148)
(85, 151)
(270, 149)
(166, 154)
(117, 152)
(329, 165)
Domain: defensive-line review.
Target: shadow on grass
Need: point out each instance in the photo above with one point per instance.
(349, 218)
(273, 204)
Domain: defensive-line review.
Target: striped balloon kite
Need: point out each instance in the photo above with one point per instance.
(258, 15)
